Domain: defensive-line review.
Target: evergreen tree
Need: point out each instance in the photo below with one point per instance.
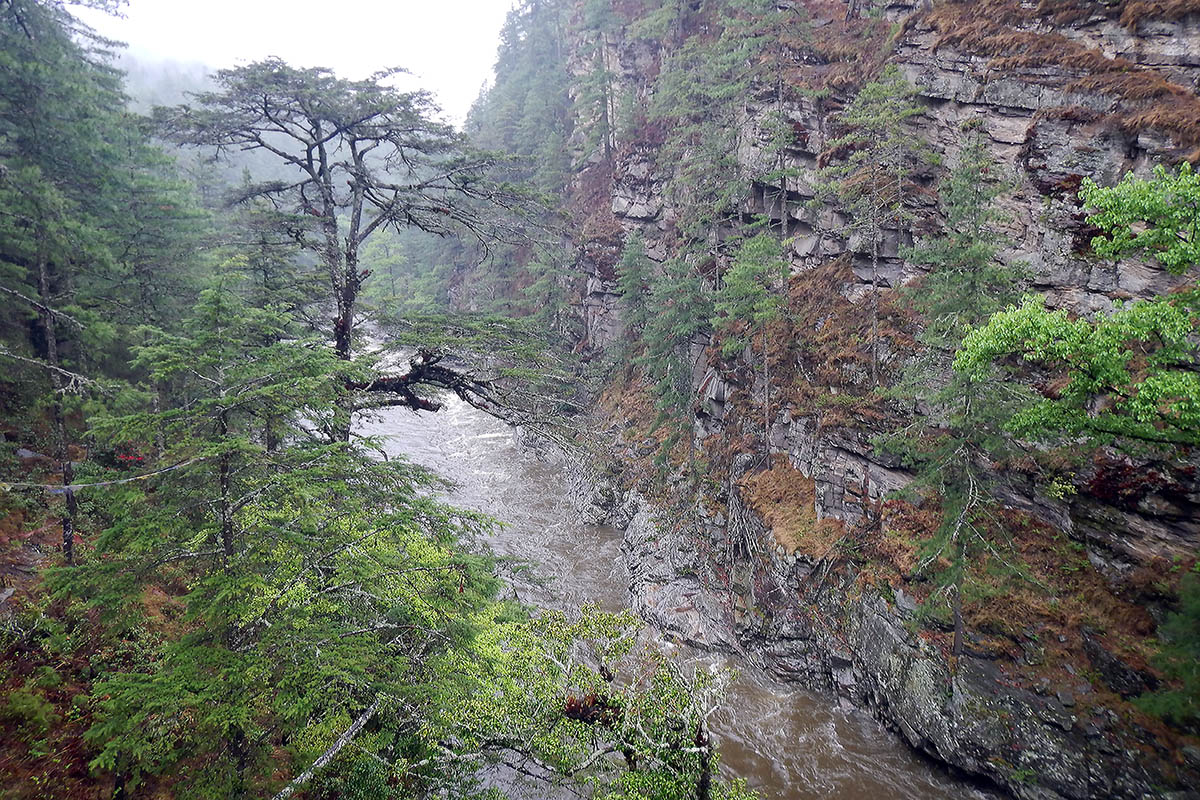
(871, 182)
(683, 308)
(749, 300)
(634, 277)
(596, 93)
(965, 285)
(360, 157)
(318, 582)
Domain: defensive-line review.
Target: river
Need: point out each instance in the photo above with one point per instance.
(787, 743)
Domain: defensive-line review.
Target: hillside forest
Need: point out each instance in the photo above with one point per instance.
(873, 325)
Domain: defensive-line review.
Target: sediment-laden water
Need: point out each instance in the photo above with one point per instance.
(789, 744)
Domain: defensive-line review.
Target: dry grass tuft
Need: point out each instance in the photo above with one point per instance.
(1007, 31)
(1137, 11)
(786, 500)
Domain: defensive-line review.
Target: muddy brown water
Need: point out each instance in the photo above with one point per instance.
(787, 743)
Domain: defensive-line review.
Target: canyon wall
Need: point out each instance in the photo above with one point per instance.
(1063, 91)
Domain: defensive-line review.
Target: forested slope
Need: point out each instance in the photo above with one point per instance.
(211, 585)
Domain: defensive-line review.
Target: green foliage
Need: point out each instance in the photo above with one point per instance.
(1129, 374)
(1127, 377)
(751, 292)
(871, 181)
(962, 414)
(683, 307)
(1159, 217)
(27, 710)
(634, 277)
(527, 111)
(579, 695)
(1179, 660)
(881, 152)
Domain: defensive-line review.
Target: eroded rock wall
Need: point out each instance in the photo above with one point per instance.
(1062, 91)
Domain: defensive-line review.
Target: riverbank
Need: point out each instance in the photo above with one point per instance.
(721, 581)
(788, 743)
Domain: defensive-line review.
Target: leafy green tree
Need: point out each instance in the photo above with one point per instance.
(577, 696)
(871, 181)
(749, 300)
(1158, 217)
(962, 413)
(1129, 375)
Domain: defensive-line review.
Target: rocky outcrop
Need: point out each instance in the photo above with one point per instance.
(1062, 91)
(815, 625)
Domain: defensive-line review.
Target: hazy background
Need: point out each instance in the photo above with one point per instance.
(450, 46)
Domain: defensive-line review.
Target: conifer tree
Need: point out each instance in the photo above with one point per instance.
(596, 90)
(966, 283)
(683, 309)
(749, 300)
(634, 276)
(871, 181)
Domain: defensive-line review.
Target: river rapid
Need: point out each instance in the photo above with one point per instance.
(787, 743)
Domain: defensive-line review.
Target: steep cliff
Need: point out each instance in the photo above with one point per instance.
(799, 557)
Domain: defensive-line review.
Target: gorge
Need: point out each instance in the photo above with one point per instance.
(851, 345)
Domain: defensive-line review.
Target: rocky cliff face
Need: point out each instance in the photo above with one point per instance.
(1063, 90)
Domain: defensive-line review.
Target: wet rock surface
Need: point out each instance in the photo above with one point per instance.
(861, 649)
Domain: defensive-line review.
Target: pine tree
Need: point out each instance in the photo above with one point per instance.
(634, 277)
(683, 308)
(871, 182)
(749, 300)
(316, 581)
(966, 283)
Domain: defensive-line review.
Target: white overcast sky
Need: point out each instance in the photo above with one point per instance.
(449, 45)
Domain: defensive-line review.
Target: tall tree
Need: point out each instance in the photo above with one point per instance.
(870, 182)
(749, 300)
(61, 112)
(959, 426)
(634, 276)
(683, 301)
(355, 158)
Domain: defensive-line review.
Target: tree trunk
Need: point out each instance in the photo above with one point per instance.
(766, 394)
(875, 305)
(225, 469)
(957, 647)
(704, 784)
(329, 754)
(58, 413)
